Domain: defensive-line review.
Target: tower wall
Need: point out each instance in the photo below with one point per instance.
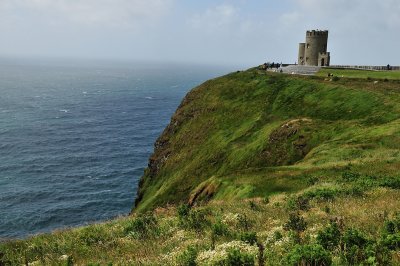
(316, 43)
(324, 59)
(301, 60)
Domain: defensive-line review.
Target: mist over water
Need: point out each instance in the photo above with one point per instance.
(75, 138)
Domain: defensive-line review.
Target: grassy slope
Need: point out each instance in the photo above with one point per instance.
(237, 140)
(219, 140)
(117, 241)
(354, 73)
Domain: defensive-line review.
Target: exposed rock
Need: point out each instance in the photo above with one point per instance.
(288, 143)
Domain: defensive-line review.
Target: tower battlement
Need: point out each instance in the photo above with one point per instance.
(317, 33)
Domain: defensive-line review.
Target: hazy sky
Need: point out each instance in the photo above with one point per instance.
(246, 32)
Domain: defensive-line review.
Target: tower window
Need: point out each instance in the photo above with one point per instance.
(308, 45)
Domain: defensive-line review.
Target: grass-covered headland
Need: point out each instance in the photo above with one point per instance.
(257, 168)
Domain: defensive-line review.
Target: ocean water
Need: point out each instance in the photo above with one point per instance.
(76, 137)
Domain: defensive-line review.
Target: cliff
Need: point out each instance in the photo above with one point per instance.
(253, 134)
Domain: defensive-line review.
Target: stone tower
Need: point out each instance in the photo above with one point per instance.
(314, 51)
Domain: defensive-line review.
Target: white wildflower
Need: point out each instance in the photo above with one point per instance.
(220, 253)
(231, 219)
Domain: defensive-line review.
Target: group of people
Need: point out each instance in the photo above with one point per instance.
(268, 65)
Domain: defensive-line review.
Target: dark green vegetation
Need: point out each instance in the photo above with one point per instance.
(257, 168)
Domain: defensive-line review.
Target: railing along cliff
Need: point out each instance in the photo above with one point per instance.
(377, 68)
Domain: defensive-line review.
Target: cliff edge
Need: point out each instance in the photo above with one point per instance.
(253, 134)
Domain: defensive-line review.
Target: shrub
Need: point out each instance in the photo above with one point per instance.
(391, 233)
(188, 257)
(354, 237)
(335, 78)
(240, 254)
(308, 255)
(299, 203)
(329, 237)
(143, 226)
(236, 257)
(391, 182)
(322, 194)
(295, 223)
(350, 176)
(355, 190)
(192, 218)
(220, 229)
(355, 243)
(244, 222)
(378, 254)
(249, 237)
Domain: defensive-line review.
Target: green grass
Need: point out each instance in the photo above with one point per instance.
(364, 74)
(257, 133)
(166, 236)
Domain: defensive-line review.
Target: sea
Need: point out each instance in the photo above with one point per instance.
(76, 136)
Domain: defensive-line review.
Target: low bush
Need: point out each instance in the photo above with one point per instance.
(355, 243)
(244, 223)
(143, 226)
(295, 223)
(236, 257)
(391, 233)
(308, 255)
(350, 176)
(220, 229)
(355, 190)
(322, 194)
(329, 237)
(391, 182)
(192, 218)
(298, 203)
(188, 257)
(249, 237)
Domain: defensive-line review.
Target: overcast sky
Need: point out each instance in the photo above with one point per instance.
(244, 32)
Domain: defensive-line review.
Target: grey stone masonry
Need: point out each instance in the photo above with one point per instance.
(300, 70)
(314, 51)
